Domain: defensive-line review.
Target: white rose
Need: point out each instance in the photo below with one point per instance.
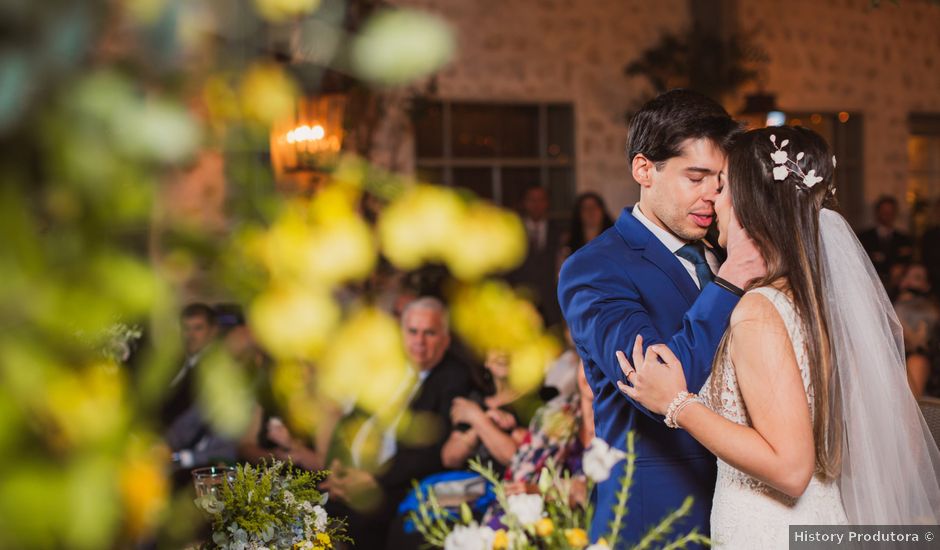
(320, 522)
(599, 459)
(469, 537)
(526, 508)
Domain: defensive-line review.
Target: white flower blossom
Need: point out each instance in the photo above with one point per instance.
(600, 458)
(320, 522)
(811, 179)
(526, 508)
(779, 157)
(288, 498)
(470, 537)
(781, 173)
(598, 546)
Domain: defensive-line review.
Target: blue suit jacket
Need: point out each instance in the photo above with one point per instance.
(623, 283)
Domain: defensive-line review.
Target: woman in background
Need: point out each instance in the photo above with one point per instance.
(589, 218)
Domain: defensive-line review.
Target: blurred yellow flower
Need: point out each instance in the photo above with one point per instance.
(544, 527)
(336, 201)
(527, 363)
(220, 99)
(267, 93)
(490, 240)
(576, 537)
(500, 540)
(86, 407)
(279, 10)
(145, 11)
(225, 392)
(324, 539)
(293, 321)
(143, 484)
(366, 361)
(324, 245)
(490, 316)
(293, 385)
(420, 225)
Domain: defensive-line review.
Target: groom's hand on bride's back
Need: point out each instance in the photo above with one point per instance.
(744, 263)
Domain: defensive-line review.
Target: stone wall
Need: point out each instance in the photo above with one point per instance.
(826, 55)
(558, 50)
(841, 55)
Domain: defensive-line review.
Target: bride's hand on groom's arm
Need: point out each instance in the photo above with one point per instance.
(656, 377)
(745, 262)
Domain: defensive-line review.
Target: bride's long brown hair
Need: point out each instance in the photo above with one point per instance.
(782, 218)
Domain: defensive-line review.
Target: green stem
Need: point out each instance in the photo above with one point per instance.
(693, 536)
(626, 482)
(665, 526)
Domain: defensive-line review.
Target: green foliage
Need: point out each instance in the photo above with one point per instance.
(274, 504)
(713, 65)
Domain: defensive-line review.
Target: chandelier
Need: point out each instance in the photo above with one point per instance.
(305, 144)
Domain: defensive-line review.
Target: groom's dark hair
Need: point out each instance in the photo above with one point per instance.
(659, 128)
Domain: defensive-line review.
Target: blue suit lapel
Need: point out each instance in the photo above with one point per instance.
(638, 237)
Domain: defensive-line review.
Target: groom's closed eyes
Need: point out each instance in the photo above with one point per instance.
(697, 174)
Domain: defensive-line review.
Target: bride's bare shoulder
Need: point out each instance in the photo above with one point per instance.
(756, 310)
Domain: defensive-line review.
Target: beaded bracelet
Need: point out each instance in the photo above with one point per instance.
(682, 399)
(675, 415)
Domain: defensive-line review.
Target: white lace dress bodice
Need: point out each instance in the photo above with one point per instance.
(747, 513)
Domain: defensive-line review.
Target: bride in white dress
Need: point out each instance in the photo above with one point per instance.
(807, 408)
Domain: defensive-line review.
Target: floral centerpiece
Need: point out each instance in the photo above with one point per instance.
(271, 506)
(550, 518)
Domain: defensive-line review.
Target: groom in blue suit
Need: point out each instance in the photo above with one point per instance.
(652, 274)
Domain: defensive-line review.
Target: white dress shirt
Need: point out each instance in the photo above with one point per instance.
(674, 243)
(537, 232)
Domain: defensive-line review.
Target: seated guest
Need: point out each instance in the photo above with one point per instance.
(561, 378)
(485, 423)
(559, 431)
(365, 486)
(919, 318)
(199, 329)
(267, 437)
(889, 249)
(187, 432)
(929, 251)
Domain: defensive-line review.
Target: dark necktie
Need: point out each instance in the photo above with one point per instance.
(695, 253)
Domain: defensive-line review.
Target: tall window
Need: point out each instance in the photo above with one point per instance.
(498, 150)
(843, 132)
(923, 158)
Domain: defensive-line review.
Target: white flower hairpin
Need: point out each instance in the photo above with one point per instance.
(783, 163)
